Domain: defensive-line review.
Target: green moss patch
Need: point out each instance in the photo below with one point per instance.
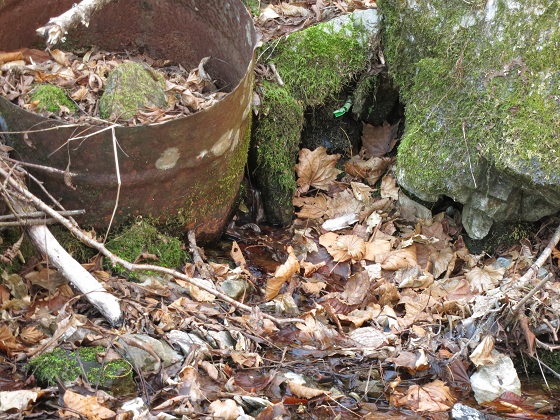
(66, 366)
(318, 62)
(277, 138)
(143, 238)
(51, 98)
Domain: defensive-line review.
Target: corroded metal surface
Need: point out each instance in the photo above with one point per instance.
(187, 170)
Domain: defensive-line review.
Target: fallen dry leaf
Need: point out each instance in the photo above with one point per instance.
(400, 258)
(485, 278)
(369, 337)
(19, 400)
(316, 169)
(311, 207)
(282, 274)
(303, 391)
(482, 354)
(237, 256)
(343, 247)
(432, 397)
(377, 141)
(86, 406)
(313, 288)
(226, 410)
(292, 10)
(6, 57)
(196, 292)
(389, 188)
(371, 169)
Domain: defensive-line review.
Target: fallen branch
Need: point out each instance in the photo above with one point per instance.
(534, 269)
(524, 280)
(28, 222)
(48, 246)
(87, 240)
(93, 291)
(38, 214)
(80, 13)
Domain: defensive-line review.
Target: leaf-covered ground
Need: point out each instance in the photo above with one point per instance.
(390, 314)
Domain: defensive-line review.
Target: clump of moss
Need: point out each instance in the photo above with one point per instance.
(277, 143)
(143, 237)
(315, 64)
(501, 237)
(474, 93)
(64, 366)
(51, 98)
(253, 6)
(80, 252)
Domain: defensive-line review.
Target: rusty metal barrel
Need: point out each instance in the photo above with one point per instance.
(186, 171)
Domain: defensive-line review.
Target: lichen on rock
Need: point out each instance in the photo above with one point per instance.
(480, 83)
(131, 87)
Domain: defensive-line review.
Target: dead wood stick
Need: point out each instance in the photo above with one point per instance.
(534, 269)
(48, 246)
(93, 291)
(519, 305)
(80, 13)
(28, 222)
(87, 240)
(40, 167)
(36, 214)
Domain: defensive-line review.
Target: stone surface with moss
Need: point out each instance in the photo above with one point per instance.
(60, 365)
(131, 87)
(480, 81)
(143, 238)
(315, 65)
(51, 98)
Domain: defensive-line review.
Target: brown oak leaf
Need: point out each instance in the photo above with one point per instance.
(316, 169)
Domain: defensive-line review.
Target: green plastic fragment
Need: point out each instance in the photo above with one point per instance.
(345, 108)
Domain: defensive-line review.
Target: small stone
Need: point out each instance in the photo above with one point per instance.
(132, 87)
(234, 288)
(187, 342)
(464, 412)
(144, 361)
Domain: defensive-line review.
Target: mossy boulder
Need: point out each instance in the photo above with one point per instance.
(131, 87)
(64, 366)
(480, 82)
(315, 65)
(51, 98)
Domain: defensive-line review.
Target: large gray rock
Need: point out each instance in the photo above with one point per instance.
(481, 84)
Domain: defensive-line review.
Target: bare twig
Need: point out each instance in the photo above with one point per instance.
(17, 196)
(534, 269)
(517, 308)
(39, 167)
(29, 222)
(36, 214)
(118, 172)
(87, 240)
(80, 13)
